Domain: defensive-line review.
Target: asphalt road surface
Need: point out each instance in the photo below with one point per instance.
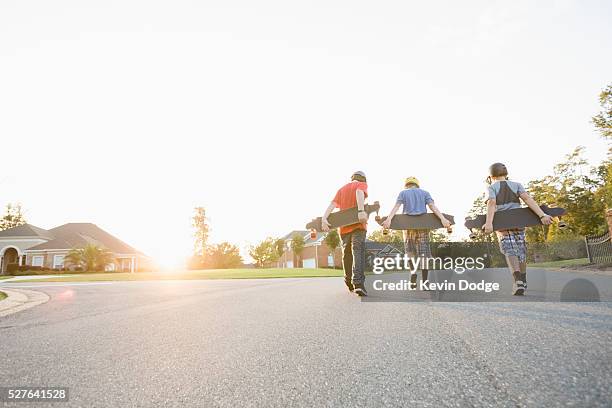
(308, 342)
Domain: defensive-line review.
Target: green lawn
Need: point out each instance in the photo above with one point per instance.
(2, 295)
(561, 264)
(199, 274)
(5, 277)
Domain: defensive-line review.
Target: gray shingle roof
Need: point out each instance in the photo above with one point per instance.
(26, 230)
(73, 235)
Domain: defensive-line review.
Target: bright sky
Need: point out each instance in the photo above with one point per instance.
(130, 113)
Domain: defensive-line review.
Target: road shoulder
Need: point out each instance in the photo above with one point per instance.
(20, 299)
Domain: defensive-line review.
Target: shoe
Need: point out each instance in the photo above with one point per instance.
(413, 282)
(524, 279)
(519, 288)
(350, 286)
(360, 290)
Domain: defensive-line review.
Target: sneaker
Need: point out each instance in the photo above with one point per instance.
(519, 288)
(360, 290)
(350, 286)
(524, 279)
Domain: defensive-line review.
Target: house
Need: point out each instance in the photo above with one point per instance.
(317, 255)
(33, 246)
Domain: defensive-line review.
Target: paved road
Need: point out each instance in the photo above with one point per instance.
(306, 342)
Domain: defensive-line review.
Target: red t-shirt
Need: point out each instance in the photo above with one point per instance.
(346, 198)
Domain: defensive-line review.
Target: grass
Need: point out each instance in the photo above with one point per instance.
(2, 295)
(5, 277)
(198, 274)
(562, 264)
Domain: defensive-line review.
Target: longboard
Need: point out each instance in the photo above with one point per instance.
(426, 221)
(511, 219)
(342, 218)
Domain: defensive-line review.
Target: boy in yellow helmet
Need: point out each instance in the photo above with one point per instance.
(415, 201)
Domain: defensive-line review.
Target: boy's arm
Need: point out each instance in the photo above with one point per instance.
(531, 203)
(361, 214)
(446, 223)
(387, 222)
(491, 207)
(324, 223)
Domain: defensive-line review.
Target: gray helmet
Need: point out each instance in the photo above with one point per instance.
(358, 175)
(498, 170)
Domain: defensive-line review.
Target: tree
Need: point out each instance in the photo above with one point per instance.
(393, 236)
(603, 120)
(222, 256)
(332, 241)
(264, 253)
(439, 236)
(201, 231)
(279, 247)
(479, 207)
(572, 186)
(603, 123)
(297, 245)
(89, 258)
(13, 217)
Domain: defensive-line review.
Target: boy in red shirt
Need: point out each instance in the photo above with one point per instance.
(353, 236)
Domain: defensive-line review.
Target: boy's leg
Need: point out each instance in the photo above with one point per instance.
(512, 245)
(358, 243)
(347, 259)
(411, 252)
(523, 266)
(424, 253)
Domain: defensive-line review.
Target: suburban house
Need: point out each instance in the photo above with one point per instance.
(317, 255)
(33, 246)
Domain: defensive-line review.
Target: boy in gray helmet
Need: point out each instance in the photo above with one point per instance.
(353, 236)
(503, 195)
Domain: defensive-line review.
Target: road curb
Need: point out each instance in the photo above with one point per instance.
(20, 299)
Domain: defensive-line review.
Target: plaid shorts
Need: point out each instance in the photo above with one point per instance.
(416, 243)
(512, 243)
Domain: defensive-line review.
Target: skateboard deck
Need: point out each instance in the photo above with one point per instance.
(517, 218)
(428, 221)
(342, 218)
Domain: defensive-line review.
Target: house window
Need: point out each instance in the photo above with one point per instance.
(58, 261)
(38, 260)
(330, 260)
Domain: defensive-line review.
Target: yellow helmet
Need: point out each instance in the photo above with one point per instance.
(412, 180)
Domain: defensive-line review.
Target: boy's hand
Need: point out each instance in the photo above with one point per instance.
(387, 223)
(445, 223)
(325, 225)
(488, 228)
(546, 219)
(362, 216)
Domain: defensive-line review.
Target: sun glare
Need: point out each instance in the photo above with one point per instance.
(169, 262)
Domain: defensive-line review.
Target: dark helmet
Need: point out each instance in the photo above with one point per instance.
(498, 170)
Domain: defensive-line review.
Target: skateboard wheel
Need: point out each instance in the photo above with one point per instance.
(562, 224)
(385, 231)
(472, 236)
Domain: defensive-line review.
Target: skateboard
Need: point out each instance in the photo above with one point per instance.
(428, 221)
(511, 219)
(342, 218)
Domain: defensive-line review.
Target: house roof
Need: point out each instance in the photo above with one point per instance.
(26, 230)
(73, 235)
(294, 232)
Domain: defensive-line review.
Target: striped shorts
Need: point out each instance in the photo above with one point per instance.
(512, 243)
(416, 243)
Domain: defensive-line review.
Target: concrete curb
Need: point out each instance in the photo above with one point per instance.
(20, 299)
